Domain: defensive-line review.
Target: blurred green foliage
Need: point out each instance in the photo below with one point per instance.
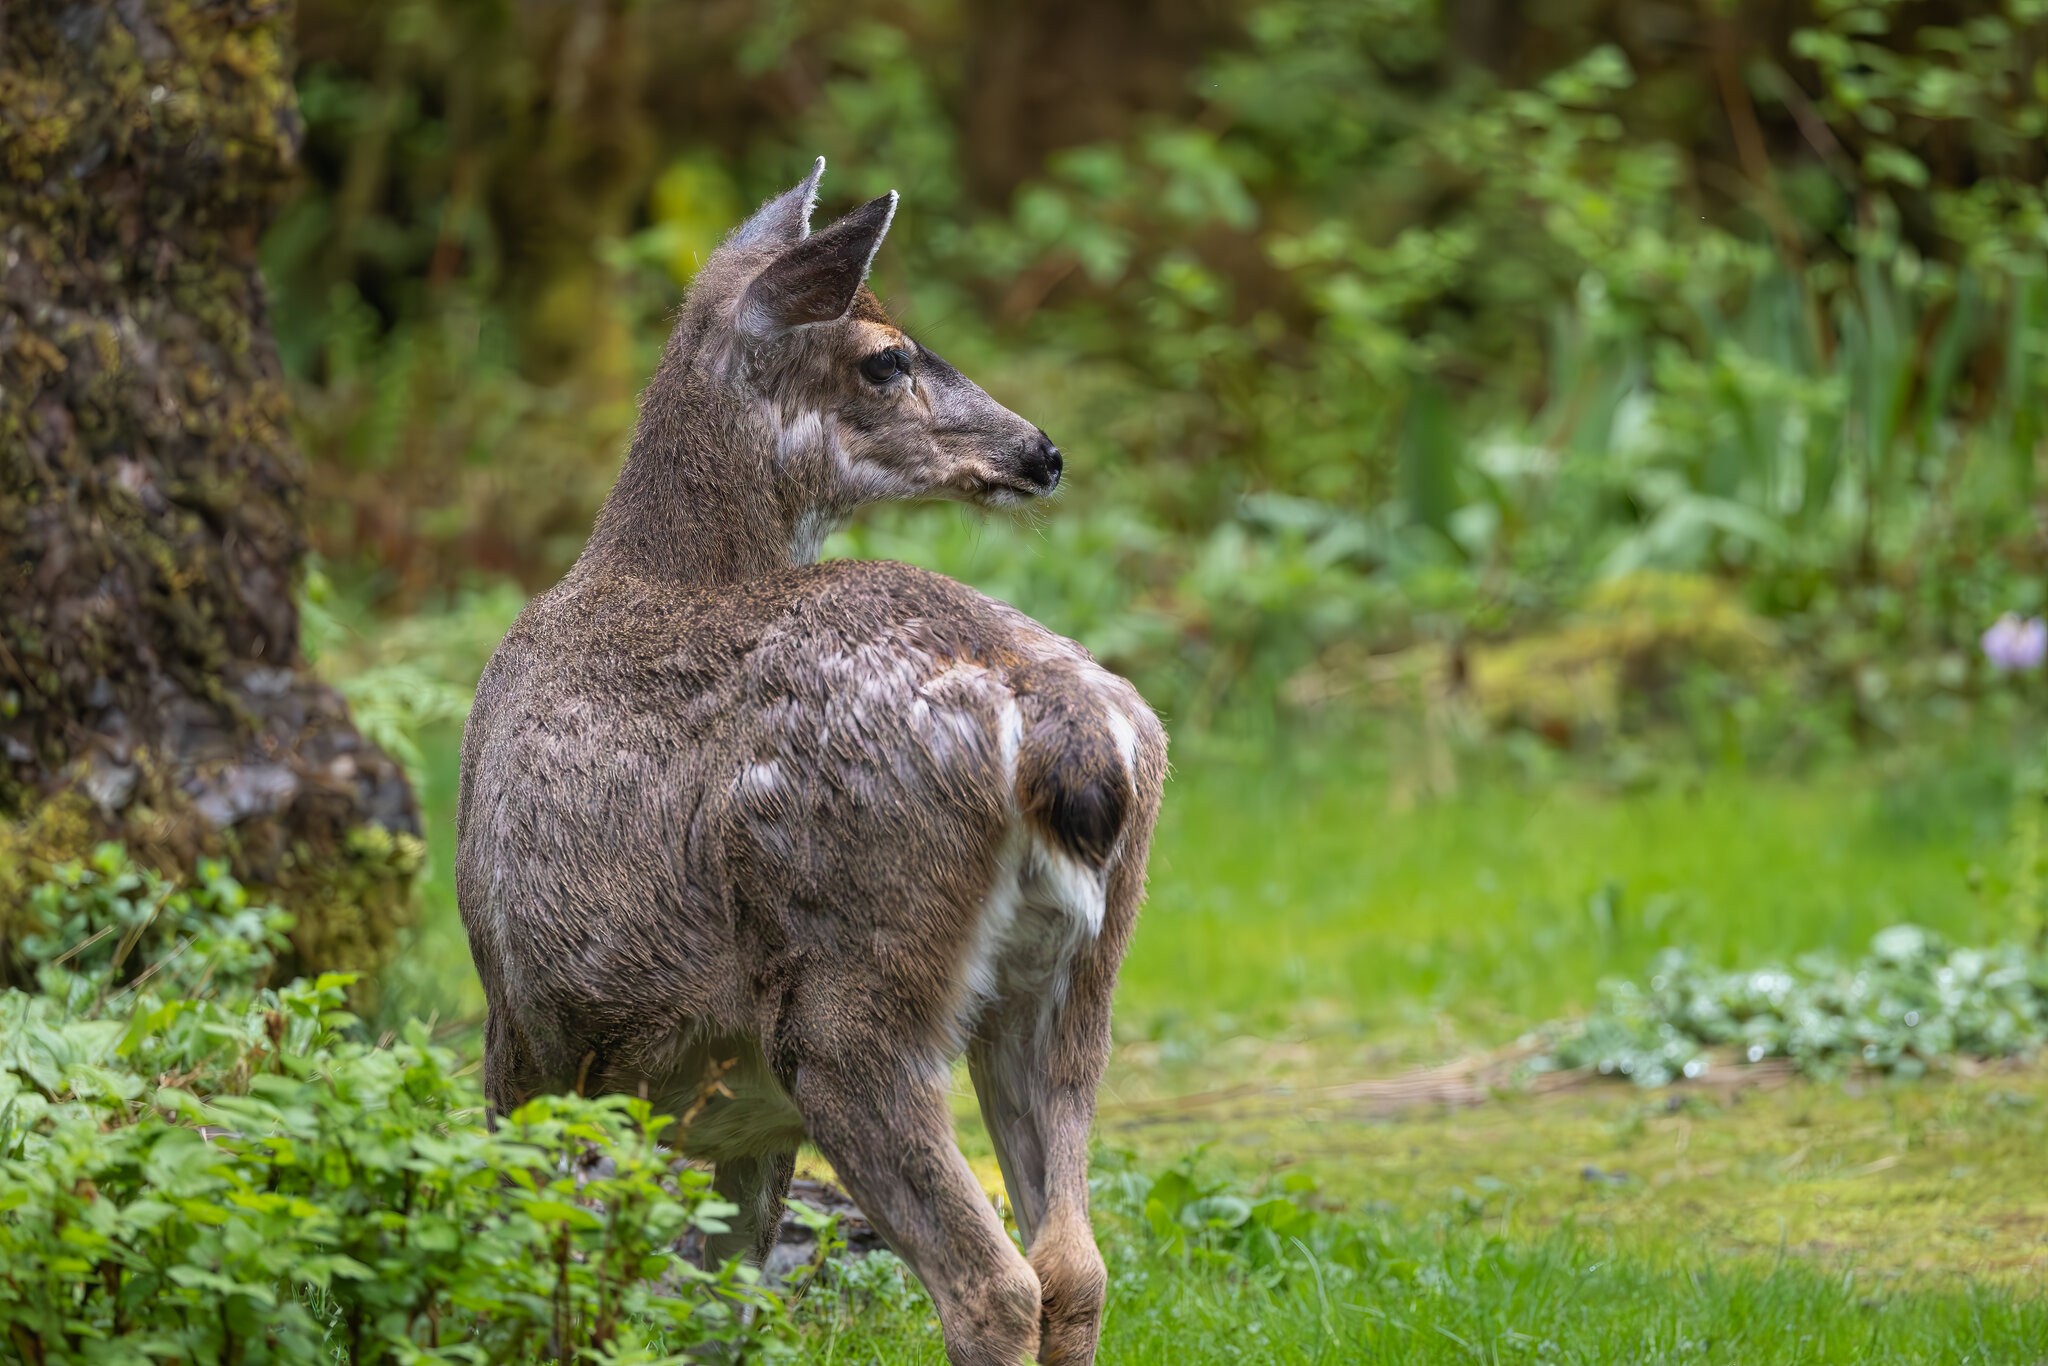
(1380, 324)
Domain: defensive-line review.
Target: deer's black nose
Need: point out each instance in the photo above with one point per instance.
(1042, 464)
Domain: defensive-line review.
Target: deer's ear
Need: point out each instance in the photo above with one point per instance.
(784, 220)
(815, 280)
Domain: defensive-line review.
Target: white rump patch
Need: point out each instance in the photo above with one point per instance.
(1042, 908)
(1010, 736)
(1126, 736)
(980, 973)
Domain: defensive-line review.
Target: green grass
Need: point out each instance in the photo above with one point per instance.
(1304, 930)
(1897, 1222)
(1923, 1182)
(1475, 1296)
(1504, 906)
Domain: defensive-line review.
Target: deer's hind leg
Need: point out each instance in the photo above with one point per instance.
(732, 1113)
(1037, 1058)
(877, 1109)
(1039, 1124)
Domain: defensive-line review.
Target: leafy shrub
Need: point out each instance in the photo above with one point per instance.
(226, 1172)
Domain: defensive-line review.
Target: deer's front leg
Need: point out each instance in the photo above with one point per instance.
(1037, 1063)
(881, 1119)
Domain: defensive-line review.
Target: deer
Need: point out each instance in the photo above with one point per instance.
(774, 842)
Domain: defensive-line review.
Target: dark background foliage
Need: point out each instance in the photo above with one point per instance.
(1368, 326)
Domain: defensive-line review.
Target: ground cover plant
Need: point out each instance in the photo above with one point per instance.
(195, 1167)
(1909, 1001)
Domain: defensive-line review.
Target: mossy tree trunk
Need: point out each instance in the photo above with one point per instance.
(151, 684)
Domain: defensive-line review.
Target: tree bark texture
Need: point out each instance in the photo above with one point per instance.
(152, 689)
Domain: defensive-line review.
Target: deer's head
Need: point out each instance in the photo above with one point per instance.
(781, 330)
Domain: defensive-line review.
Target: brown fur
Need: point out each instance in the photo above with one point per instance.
(813, 830)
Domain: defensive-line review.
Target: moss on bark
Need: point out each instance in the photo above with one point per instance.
(151, 500)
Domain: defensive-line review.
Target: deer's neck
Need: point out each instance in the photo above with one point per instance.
(699, 501)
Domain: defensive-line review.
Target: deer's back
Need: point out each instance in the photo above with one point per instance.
(672, 799)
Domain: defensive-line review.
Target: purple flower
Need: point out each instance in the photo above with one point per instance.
(2014, 643)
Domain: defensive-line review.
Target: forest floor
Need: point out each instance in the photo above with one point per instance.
(1319, 1144)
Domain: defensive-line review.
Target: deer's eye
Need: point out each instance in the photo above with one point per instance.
(884, 366)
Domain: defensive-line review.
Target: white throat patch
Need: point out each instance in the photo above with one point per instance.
(807, 439)
(808, 539)
(797, 435)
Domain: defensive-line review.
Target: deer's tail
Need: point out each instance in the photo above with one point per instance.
(1086, 758)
